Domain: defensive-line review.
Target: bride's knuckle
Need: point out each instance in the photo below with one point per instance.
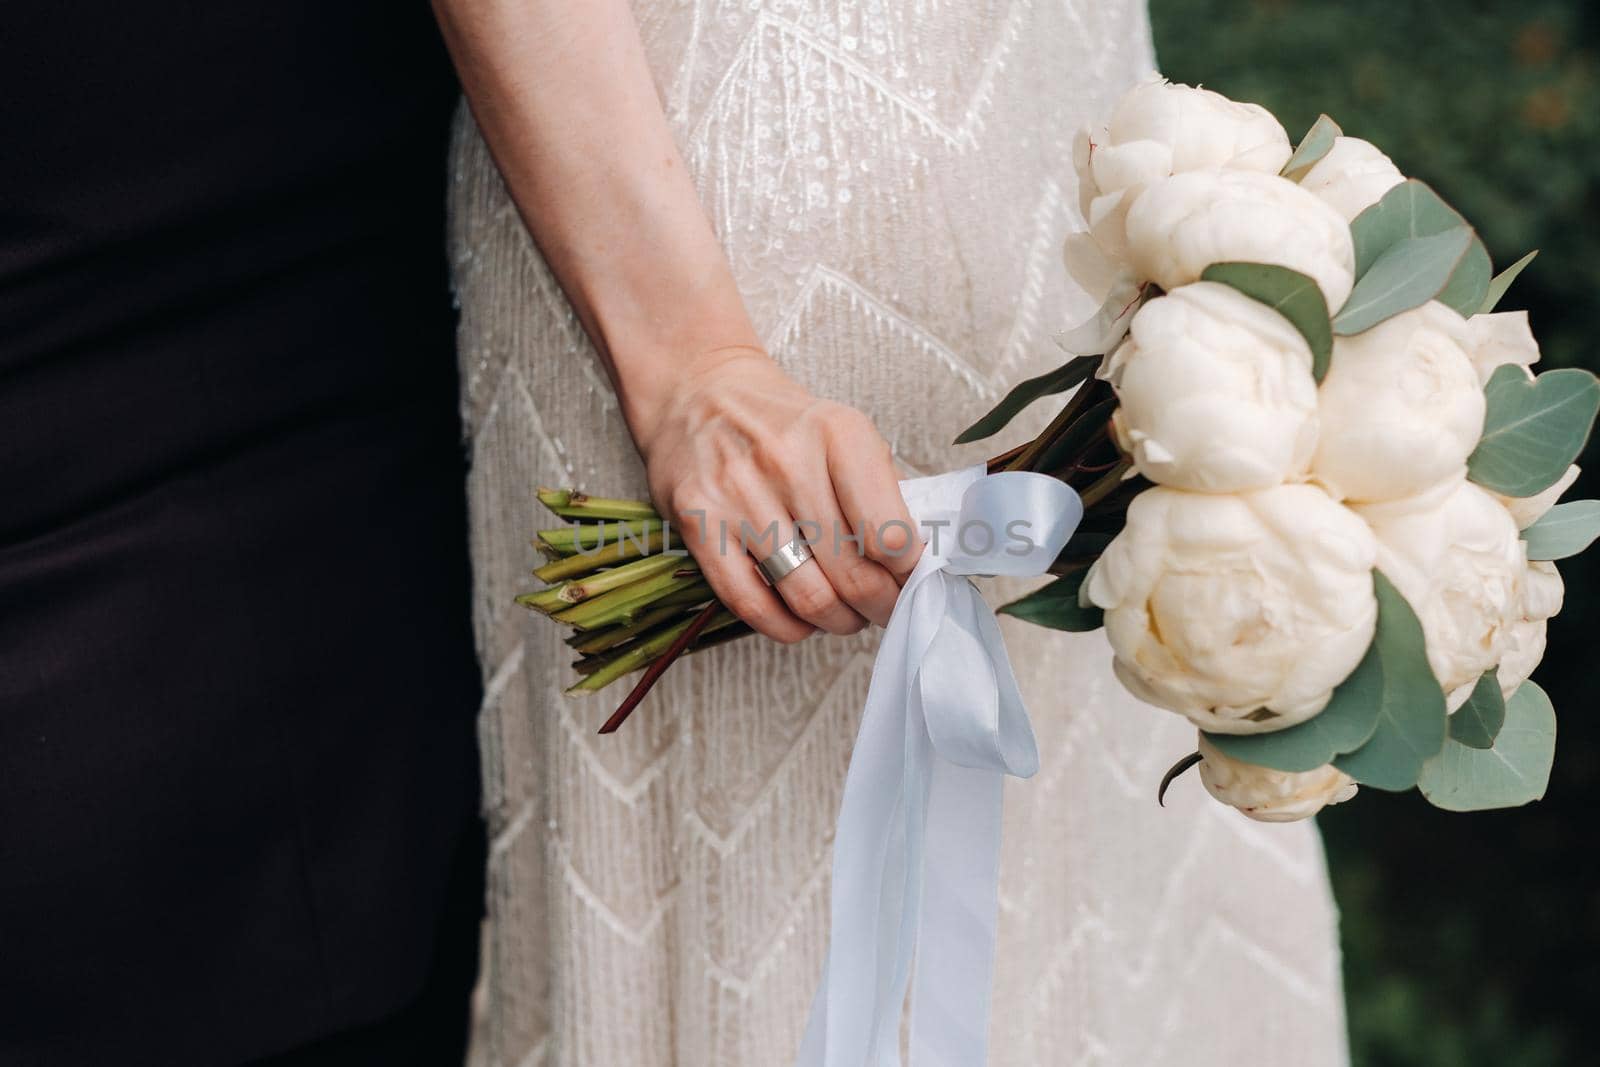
(749, 607)
(851, 426)
(859, 582)
(814, 601)
(685, 499)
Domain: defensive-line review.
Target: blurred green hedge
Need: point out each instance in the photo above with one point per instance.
(1469, 940)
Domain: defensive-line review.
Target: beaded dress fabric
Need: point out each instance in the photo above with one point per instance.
(892, 181)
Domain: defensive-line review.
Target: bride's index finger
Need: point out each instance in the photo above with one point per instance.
(864, 481)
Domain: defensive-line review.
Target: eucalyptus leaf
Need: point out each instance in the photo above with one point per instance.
(1411, 714)
(1469, 283)
(1564, 530)
(1406, 275)
(1289, 293)
(1072, 373)
(1533, 429)
(1409, 210)
(1502, 282)
(1317, 142)
(1056, 606)
(1477, 722)
(1512, 773)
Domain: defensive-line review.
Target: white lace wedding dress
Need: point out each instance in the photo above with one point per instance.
(892, 180)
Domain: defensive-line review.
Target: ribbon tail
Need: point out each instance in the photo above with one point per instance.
(877, 853)
(955, 955)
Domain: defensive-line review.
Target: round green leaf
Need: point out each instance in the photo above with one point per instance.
(1407, 275)
(1411, 714)
(1564, 530)
(1533, 429)
(1477, 722)
(1468, 286)
(1056, 606)
(1515, 771)
(1289, 293)
(1411, 209)
(1409, 212)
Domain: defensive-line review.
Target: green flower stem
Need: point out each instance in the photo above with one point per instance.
(570, 539)
(697, 592)
(647, 650)
(1106, 484)
(668, 607)
(721, 637)
(612, 554)
(1059, 425)
(591, 586)
(570, 504)
(627, 604)
(545, 600)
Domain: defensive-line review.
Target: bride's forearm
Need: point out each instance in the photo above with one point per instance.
(565, 100)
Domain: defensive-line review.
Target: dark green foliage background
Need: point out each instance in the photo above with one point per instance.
(1469, 940)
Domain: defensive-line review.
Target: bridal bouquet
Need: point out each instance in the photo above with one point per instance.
(1318, 475)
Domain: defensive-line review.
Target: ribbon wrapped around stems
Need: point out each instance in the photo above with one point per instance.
(917, 853)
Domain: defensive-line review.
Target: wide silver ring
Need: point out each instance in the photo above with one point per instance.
(784, 562)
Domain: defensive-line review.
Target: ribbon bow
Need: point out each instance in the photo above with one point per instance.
(916, 858)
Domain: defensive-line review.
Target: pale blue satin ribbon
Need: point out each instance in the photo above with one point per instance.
(917, 853)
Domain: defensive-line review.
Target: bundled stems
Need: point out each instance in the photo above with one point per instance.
(587, 537)
(636, 604)
(708, 617)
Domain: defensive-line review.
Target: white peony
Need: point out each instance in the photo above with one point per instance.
(1541, 596)
(1455, 556)
(1527, 510)
(1158, 129)
(1352, 177)
(1181, 225)
(1215, 392)
(1400, 409)
(1267, 795)
(1492, 341)
(1242, 612)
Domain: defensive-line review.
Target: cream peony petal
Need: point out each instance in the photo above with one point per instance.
(1495, 340)
(1215, 391)
(1267, 795)
(1400, 409)
(1241, 612)
(1179, 226)
(1352, 177)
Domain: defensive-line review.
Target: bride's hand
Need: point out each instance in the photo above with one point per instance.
(728, 438)
(737, 446)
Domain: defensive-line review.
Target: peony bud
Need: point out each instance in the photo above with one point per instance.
(1352, 177)
(1455, 556)
(1159, 128)
(1181, 225)
(1215, 392)
(1401, 408)
(1156, 130)
(1542, 593)
(1267, 795)
(1241, 612)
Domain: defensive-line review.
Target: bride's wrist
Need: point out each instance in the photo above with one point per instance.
(648, 401)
